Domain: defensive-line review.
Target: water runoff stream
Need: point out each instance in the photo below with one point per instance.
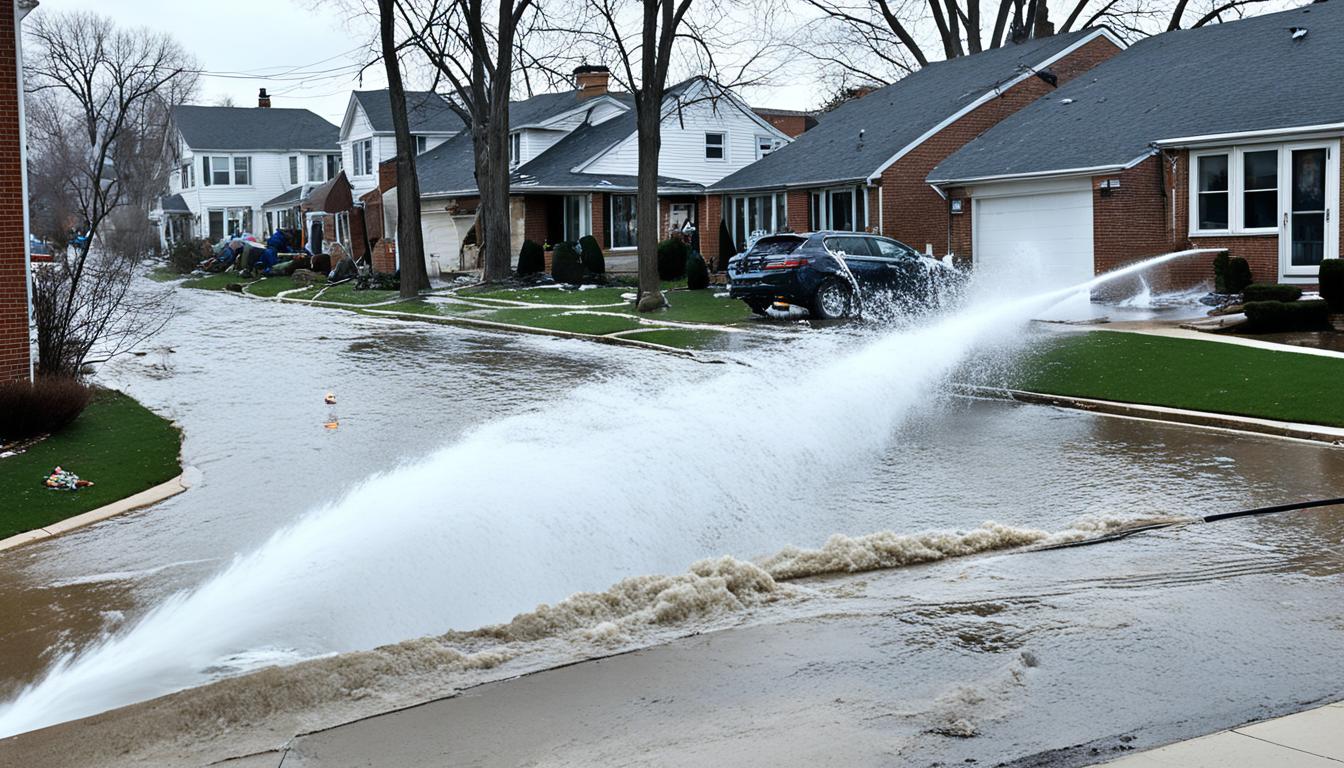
(474, 477)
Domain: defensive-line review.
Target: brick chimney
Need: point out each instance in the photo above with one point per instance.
(263, 99)
(591, 80)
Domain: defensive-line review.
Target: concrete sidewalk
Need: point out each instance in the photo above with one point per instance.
(1311, 739)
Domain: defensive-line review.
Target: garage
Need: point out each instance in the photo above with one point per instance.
(1034, 234)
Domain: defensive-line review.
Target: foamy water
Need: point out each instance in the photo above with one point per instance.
(396, 556)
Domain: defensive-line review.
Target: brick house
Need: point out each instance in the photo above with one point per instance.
(573, 159)
(863, 167)
(15, 347)
(1100, 172)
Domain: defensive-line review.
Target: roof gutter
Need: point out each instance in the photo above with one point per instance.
(1268, 133)
(993, 93)
(789, 185)
(1059, 173)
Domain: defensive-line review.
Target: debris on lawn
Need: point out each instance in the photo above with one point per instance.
(60, 480)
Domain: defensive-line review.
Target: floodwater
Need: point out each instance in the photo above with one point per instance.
(535, 468)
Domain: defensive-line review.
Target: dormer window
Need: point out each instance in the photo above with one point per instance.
(765, 145)
(515, 148)
(363, 157)
(714, 146)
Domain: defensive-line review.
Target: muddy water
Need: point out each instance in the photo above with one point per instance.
(245, 380)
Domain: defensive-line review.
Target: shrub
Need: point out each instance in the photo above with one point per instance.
(29, 409)
(1332, 283)
(591, 253)
(727, 248)
(1276, 316)
(566, 264)
(1220, 272)
(672, 255)
(1271, 292)
(1238, 275)
(186, 254)
(697, 272)
(531, 258)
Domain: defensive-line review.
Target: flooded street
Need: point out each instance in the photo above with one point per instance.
(510, 471)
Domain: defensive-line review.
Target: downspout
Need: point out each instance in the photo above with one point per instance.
(21, 11)
(947, 200)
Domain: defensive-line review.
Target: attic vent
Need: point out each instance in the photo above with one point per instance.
(1298, 32)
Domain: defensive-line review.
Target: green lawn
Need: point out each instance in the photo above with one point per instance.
(345, 293)
(562, 320)
(1186, 373)
(164, 274)
(215, 282)
(270, 286)
(120, 445)
(684, 338)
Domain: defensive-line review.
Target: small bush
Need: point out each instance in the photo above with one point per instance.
(1220, 272)
(1238, 275)
(29, 409)
(566, 264)
(672, 255)
(591, 253)
(1271, 292)
(531, 259)
(1332, 283)
(727, 248)
(697, 272)
(186, 254)
(1279, 316)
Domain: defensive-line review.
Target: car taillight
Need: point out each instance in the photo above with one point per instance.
(784, 263)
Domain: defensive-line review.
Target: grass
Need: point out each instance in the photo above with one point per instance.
(563, 320)
(1186, 373)
(165, 274)
(684, 338)
(120, 445)
(345, 293)
(270, 286)
(215, 282)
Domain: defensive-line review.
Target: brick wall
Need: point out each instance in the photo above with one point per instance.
(790, 125)
(14, 345)
(600, 229)
(534, 218)
(798, 202)
(710, 216)
(912, 211)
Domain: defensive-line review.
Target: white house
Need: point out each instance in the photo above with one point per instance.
(232, 161)
(367, 136)
(574, 159)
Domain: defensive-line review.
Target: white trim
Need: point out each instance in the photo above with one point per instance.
(585, 105)
(1236, 192)
(994, 93)
(1094, 170)
(1242, 136)
(19, 15)
(1331, 234)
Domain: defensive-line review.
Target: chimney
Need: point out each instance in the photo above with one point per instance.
(591, 80)
(263, 100)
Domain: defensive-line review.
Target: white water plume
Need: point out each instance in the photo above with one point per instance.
(401, 556)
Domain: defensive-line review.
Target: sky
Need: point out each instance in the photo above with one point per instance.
(311, 36)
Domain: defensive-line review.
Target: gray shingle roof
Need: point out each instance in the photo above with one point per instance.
(1226, 78)
(173, 204)
(241, 128)
(426, 111)
(891, 118)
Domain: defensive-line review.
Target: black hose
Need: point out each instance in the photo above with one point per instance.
(1127, 532)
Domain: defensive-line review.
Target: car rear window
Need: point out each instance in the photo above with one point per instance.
(849, 245)
(776, 246)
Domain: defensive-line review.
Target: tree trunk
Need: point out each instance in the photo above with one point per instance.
(650, 141)
(410, 238)
(492, 180)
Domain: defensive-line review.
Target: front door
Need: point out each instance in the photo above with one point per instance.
(1308, 228)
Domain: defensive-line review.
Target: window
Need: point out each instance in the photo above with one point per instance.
(515, 148)
(753, 214)
(578, 219)
(890, 249)
(293, 170)
(226, 222)
(624, 221)
(849, 245)
(1260, 189)
(363, 156)
(242, 171)
(1212, 204)
(714, 146)
(316, 170)
(188, 178)
(334, 165)
(843, 209)
(215, 171)
(421, 144)
(765, 145)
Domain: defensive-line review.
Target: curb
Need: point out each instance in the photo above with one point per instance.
(1283, 429)
(140, 500)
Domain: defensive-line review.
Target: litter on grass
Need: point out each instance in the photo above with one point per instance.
(60, 480)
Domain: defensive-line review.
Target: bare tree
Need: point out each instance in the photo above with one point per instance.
(476, 48)
(883, 40)
(410, 238)
(91, 83)
(644, 41)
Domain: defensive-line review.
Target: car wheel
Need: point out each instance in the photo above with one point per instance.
(833, 300)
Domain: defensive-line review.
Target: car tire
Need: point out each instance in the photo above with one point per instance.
(833, 300)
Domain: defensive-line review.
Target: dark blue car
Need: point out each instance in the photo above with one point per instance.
(821, 271)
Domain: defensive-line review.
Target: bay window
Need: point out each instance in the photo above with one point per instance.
(624, 221)
(753, 215)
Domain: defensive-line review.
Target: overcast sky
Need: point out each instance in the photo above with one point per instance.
(282, 35)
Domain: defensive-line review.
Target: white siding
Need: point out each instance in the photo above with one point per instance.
(535, 141)
(270, 177)
(683, 150)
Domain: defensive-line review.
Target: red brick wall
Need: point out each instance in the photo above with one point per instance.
(600, 229)
(710, 216)
(14, 346)
(912, 211)
(790, 125)
(798, 202)
(534, 218)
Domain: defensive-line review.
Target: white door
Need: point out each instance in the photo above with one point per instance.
(1033, 237)
(1308, 224)
(442, 243)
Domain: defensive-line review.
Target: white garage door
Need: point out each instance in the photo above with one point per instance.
(442, 241)
(1034, 236)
